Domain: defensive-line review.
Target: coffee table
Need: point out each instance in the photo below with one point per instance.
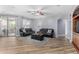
(37, 36)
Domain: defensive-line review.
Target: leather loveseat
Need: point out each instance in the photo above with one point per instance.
(25, 31)
(47, 32)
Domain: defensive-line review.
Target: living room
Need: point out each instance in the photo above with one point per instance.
(32, 28)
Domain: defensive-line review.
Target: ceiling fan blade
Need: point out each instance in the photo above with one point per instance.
(44, 7)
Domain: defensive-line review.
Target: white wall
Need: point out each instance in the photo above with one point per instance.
(21, 22)
(68, 28)
(37, 24)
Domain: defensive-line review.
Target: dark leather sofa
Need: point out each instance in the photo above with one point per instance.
(25, 31)
(47, 32)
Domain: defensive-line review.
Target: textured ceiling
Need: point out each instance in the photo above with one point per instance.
(50, 10)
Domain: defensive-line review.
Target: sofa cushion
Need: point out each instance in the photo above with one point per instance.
(49, 31)
(43, 30)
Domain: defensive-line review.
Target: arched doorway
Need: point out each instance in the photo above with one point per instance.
(61, 28)
(75, 19)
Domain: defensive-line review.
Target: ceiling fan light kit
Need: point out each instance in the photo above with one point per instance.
(38, 12)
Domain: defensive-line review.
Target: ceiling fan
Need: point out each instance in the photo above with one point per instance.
(37, 12)
(41, 10)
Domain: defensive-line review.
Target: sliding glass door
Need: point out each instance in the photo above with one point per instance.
(3, 26)
(7, 26)
(11, 27)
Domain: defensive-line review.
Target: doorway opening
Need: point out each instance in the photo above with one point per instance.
(75, 17)
(61, 28)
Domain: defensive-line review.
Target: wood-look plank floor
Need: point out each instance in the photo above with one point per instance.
(20, 45)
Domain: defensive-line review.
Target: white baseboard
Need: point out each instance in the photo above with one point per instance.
(61, 35)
